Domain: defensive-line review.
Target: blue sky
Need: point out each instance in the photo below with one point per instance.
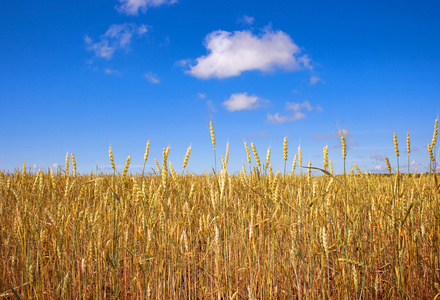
(81, 76)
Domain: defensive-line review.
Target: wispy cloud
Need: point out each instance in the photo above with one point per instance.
(117, 37)
(278, 118)
(243, 101)
(201, 95)
(111, 72)
(298, 112)
(151, 77)
(314, 80)
(132, 7)
(231, 53)
(377, 157)
(248, 20)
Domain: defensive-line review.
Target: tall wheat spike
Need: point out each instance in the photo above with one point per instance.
(388, 164)
(285, 153)
(67, 164)
(325, 157)
(267, 158)
(185, 161)
(257, 159)
(396, 150)
(73, 164)
(294, 164)
(112, 159)
(408, 148)
(344, 148)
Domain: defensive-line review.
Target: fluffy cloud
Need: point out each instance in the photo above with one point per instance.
(231, 53)
(242, 101)
(151, 77)
(118, 36)
(297, 114)
(132, 7)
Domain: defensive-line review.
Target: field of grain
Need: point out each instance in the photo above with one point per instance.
(255, 235)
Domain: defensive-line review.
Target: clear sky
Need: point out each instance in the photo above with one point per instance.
(80, 76)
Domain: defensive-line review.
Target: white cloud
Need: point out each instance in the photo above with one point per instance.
(54, 165)
(298, 106)
(111, 72)
(231, 53)
(201, 95)
(242, 101)
(248, 20)
(151, 77)
(297, 114)
(414, 163)
(132, 7)
(118, 36)
(314, 80)
(380, 168)
(277, 118)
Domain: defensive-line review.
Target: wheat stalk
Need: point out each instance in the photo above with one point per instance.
(185, 161)
(254, 151)
(112, 159)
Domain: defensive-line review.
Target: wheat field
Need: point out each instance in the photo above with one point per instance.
(255, 235)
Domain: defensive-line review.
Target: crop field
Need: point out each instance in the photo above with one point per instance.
(252, 235)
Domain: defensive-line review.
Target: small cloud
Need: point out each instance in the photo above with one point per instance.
(201, 95)
(232, 53)
(277, 118)
(111, 72)
(314, 80)
(414, 163)
(377, 157)
(117, 37)
(299, 106)
(247, 20)
(297, 114)
(34, 166)
(380, 168)
(142, 29)
(183, 62)
(151, 77)
(242, 101)
(132, 7)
